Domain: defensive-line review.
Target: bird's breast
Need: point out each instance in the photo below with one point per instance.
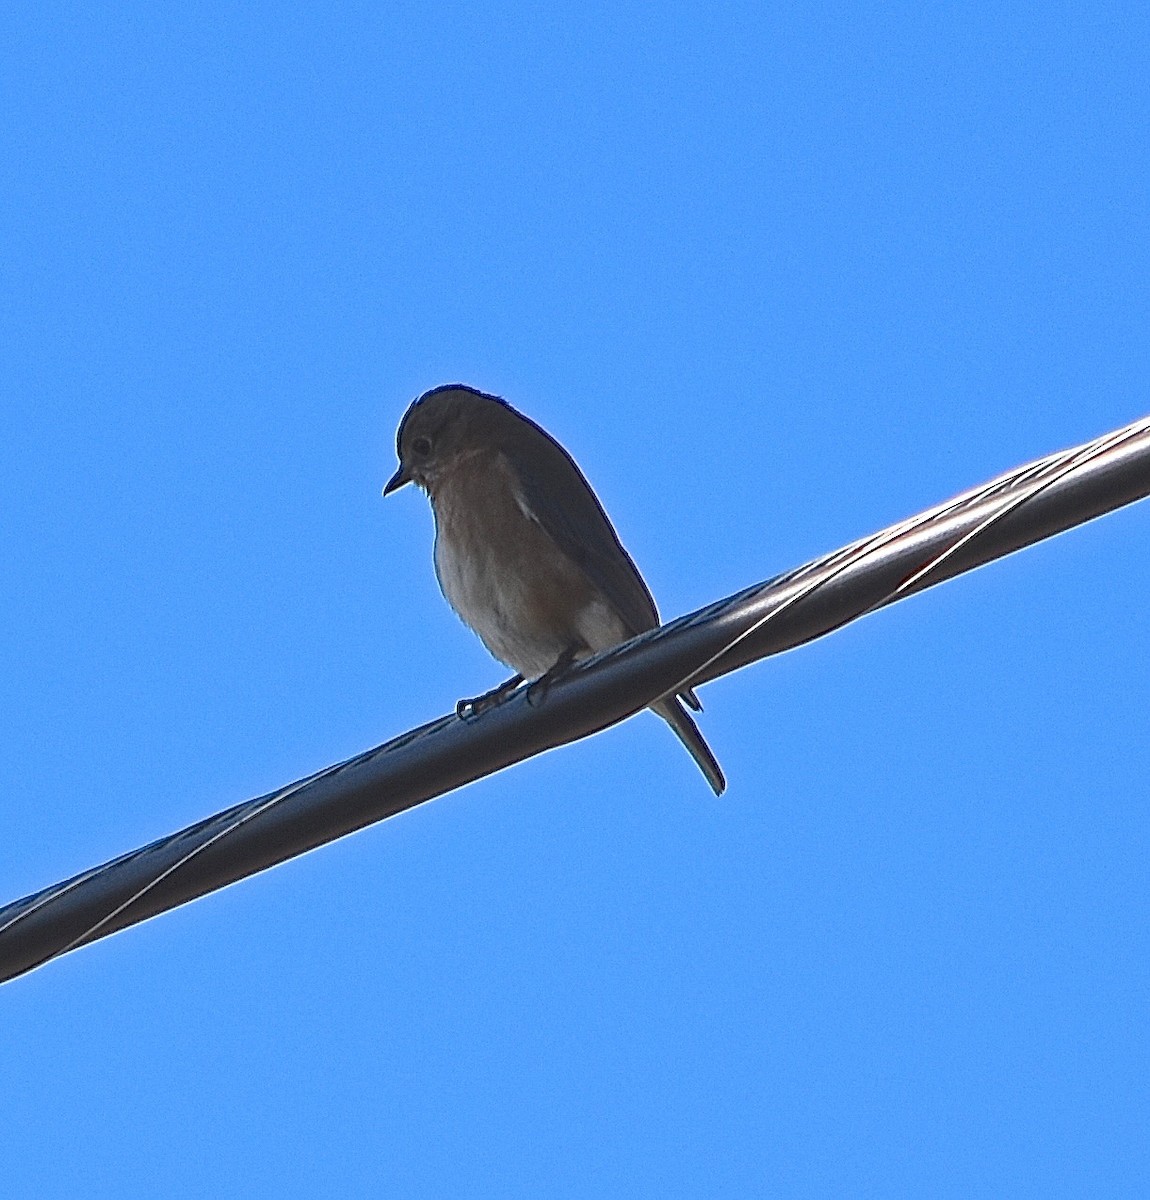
(505, 577)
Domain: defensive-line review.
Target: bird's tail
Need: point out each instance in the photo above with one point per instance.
(671, 709)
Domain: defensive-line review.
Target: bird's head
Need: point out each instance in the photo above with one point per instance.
(439, 429)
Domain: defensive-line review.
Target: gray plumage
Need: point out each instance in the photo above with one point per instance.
(524, 552)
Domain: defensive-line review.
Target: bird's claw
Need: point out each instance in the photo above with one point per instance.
(469, 710)
(537, 690)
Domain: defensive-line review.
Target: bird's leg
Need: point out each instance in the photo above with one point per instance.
(467, 710)
(537, 690)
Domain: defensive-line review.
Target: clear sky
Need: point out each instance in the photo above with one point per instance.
(777, 275)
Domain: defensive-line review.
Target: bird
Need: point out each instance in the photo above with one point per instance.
(524, 552)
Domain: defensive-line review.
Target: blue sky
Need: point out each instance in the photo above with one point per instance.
(777, 276)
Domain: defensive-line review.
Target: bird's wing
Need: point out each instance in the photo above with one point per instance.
(554, 494)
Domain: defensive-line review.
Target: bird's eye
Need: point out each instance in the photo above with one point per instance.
(422, 446)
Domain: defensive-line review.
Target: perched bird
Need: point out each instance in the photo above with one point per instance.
(524, 552)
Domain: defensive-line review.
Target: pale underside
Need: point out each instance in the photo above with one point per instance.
(506, 578)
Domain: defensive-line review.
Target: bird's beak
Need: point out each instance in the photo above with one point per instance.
(397, 480)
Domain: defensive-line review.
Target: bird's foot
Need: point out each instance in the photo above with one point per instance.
(538, 689)
(468, 710)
